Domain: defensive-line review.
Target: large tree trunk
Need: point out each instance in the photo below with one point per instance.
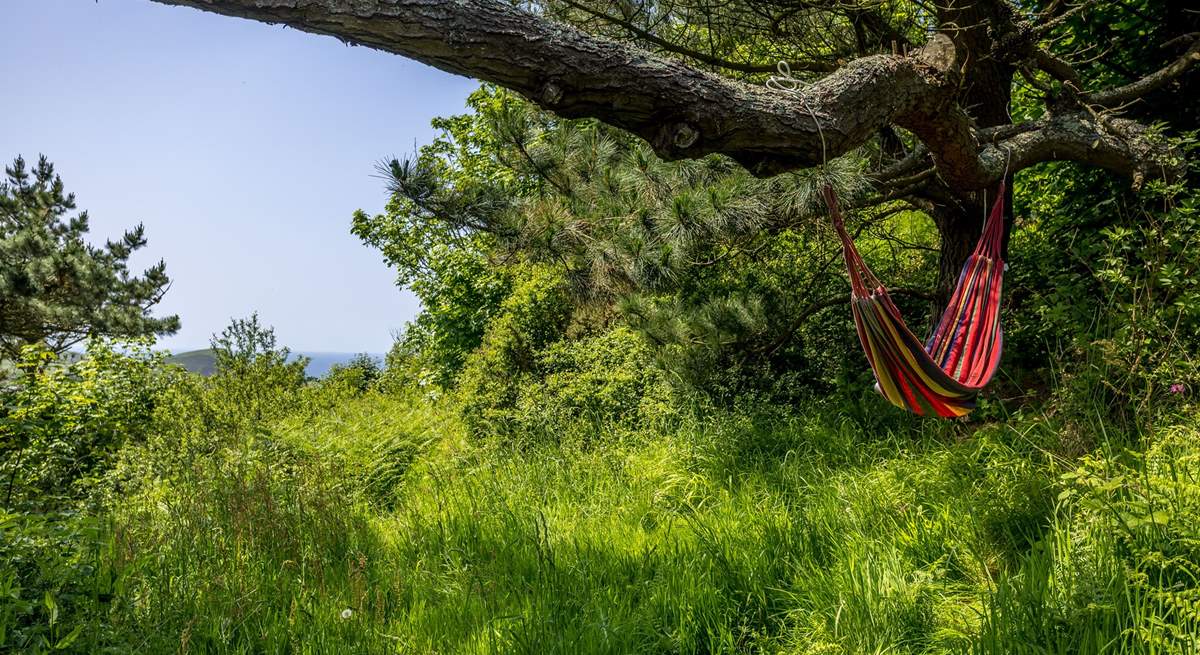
(959, 228)
(987, 90)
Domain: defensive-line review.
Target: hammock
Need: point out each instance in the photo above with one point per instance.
(943, 376)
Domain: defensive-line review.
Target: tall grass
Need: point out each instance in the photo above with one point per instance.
(373, 524)
(741, 532)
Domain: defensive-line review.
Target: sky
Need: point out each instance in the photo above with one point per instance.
(244, 148)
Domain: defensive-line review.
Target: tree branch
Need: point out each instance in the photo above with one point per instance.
(682, 112)
(703, 57)
(687, 113)
(1152, 82)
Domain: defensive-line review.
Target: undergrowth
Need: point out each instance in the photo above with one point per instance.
(376, 524)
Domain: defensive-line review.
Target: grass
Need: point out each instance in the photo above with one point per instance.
(737, 533)
(373, 524)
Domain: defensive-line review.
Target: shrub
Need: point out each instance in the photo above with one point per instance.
(591, 385)
(1105, 297)
(535, 315)
(356, 376)
(62, 425)
(60, 433)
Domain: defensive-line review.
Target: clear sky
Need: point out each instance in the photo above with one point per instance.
(243, 147)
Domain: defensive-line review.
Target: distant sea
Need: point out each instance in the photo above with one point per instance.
(320, 362)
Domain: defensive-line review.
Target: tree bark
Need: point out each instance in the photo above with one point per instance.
(987, 89)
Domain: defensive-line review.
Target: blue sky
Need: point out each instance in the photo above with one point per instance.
(243, 147)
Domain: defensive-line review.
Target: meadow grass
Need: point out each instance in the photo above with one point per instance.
(377, 526)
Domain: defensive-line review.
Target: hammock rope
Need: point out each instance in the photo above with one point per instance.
(944, 375)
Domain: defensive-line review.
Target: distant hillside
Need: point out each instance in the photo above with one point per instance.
(197, 361)
(204, 361)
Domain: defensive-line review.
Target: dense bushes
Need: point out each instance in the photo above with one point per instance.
(591, 386)
(532, 317)
(62, 425)
(61, 432)
(1105, 301)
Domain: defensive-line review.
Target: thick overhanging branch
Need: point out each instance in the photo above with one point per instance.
(681, 111)
(1120, 145)
(646, 36)
(687, 113)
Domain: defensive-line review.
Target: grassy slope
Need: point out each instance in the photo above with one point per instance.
(197, 361)
(740, 533)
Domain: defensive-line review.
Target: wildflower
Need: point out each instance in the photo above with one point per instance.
(1177, 388)
(347, 613)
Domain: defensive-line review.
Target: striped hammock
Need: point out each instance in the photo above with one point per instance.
(945, 375)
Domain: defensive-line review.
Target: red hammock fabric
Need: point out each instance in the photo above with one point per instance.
(942, 377)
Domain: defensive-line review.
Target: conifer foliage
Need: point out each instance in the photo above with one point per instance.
(55, 287)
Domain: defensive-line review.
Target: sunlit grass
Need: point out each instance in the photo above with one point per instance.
(734, 533)
(373, 523)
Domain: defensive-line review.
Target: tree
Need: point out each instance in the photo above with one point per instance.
(929, 83)
(254, 378)
(719, 270)
(438, 243)
(57, 289)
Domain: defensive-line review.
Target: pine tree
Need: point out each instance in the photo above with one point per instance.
(56, 288)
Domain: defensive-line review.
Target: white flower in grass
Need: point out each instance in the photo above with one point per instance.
(347, 613)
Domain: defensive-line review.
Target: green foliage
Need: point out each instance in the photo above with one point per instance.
(446, 263)
(61, 433)
(1108, 290)
(1119, 569)
(255, 378)
(55, 581)
(532, 317)
(358, 375)
(463, 292)
(55, 287)
(63, 425)
(612, 517)
(265, 550)
(726, 275)
(589, 386)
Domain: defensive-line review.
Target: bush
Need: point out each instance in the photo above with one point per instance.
(62, 425)
(535, 315)
(60, 434)
(357, 376)
(591, 386)
(55, 579)
(1105, 298)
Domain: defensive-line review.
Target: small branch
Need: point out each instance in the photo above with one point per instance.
(1059, 69)
(703, 57)
(1152, 82)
